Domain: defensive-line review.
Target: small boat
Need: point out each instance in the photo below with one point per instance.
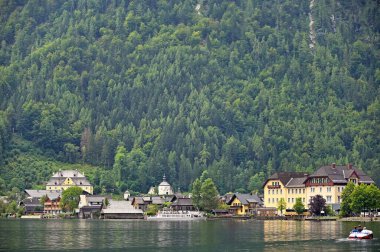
(364, 234)
(177, 215)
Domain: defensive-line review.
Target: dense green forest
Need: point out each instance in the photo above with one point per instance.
(131, 90)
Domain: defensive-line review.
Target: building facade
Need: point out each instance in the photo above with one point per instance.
(65, 179)
(164, 188)
(328, 181)
(284, 185)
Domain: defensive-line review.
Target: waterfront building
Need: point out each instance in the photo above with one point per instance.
(275, 188)
(32, 203)
(244, 204)
(121, 210)
(90, 206)
(52, 205)
(65, 179)
(183, 204)
(328, 181)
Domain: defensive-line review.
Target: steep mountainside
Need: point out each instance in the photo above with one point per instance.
(141, 88)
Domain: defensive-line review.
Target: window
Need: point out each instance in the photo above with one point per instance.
(303, 199)
(276, 191)
(328, 198)
(292, 200)
(328, 189)
(303, 190)
(50, 187)
(280, 191)
(338, 199)
(272, 200)
(320, 189)
(268, 191)
(312, 189)
(288, 190)
(338, 188)
(277, 200)
(288, 200)
(268, 200)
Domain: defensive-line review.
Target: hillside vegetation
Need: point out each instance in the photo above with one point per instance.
(141, 88)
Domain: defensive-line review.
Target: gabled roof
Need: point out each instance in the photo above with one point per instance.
(52, 194)
(82, 181)
(95, 199)
(158, 200)
(120, 207)
(31, 201)
(341, 173)
(284, 177)
(139, 200)
(297, 182)
(68, 174)
(246, 198)
(183, 202)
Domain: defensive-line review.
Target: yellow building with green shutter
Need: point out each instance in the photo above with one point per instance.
(65, 179)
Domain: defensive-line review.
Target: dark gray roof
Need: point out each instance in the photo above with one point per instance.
(183, 202)
(52, 194)
(341, 173)
(297, 182)
(158, 200)
(98, 199)
(246, 198)
(284, 177)
(31, 201)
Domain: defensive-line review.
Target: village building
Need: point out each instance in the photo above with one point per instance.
(328, 181)
(32, 206)
(164, 188)
(90, 206)
(32, 203)
(183, 204)
(275, 188)
(121, 210)
(52, 205)
(244, 204)
(65, 179)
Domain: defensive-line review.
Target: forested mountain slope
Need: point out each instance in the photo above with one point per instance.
(142, 88)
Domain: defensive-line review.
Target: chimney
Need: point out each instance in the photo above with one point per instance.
(349, 166)
(333, 165)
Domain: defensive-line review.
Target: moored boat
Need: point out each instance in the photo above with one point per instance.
(177, 215)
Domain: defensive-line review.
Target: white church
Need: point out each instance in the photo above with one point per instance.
(164, 188)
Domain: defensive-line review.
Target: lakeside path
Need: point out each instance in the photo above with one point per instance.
(360, 219)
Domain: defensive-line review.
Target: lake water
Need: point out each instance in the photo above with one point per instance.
(179, 236)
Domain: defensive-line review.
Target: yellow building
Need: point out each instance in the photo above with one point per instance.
(284, 185)
(329, 181)
(244, 204)
(65, 179)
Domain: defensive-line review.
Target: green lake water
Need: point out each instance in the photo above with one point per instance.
(179, 236)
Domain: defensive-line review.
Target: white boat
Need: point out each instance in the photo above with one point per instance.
(364, 234)
(177, 215)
